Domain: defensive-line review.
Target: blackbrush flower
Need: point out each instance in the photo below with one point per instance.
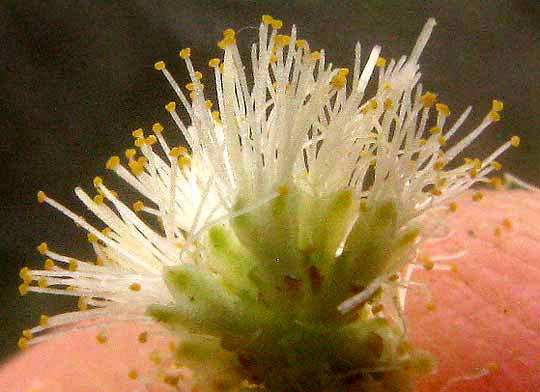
(279, 246)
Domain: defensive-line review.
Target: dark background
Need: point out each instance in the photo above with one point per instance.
(76, 77)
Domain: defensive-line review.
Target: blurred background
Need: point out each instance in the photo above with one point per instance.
(76, 77)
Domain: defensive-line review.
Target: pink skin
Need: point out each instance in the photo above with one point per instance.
(487, 312)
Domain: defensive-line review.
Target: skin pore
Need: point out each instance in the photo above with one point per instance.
(481, 321)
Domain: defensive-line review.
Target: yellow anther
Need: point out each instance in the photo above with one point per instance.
(135, 287)
(139, 142)
(215, 115)
(497, 105)
(184, 161)
(23, 288)
(453, 206)
(496, 165)
(190, 86)
(178, 151)
(442, 140)
(133, 374)
(82, 304)
(114, 194)
(381, 62)
(138, 205)
(49, 265)
(435, 130)
(282, 40)
(301, 43)
(374, 104)
(99, 262)
(213, 63)
(98, 199)
(477, 196)
(429, 265)
(42, 282)
(388, 104)
(198, 75)
(439, 165)
(98, 181)
(73, 265)
(273, 59)
(157, 128)
(229, 33)
(208, 104)
(106, 231)
(130, 153)
(101, 338)
(136, 168)
(113, 162)
(24, 274)
(22, 343)
(494, 116)
(343, 71)
(507, 223)
(226, 42)
(365, 110)
(185, 53)
(41, 196)
(138, 133)
(338, 81)
(429, 99)
(498, 231)
(28, 334)
(92, 238)
(431, 307)
(43, 248)
(172, 347)
(150, 140)
(496, 182)
(443, 109)
(515, 140)
(160, 65)
(170, 107)
(155, 357)
(393, 278)
(267, 19)
(316, 55)
(43, 320)
(276, 24)
(143, 337)
(283, 190)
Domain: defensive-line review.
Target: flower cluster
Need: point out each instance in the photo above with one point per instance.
(279, 246)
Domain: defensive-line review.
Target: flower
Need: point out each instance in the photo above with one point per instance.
(279, 247)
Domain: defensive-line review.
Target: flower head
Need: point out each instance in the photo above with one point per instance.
(279, 245)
